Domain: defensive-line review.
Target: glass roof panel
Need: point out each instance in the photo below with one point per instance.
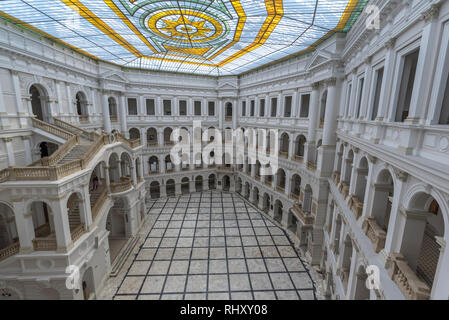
(214, 37)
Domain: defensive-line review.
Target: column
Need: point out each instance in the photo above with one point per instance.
(279, 111)
(220, 114)
(178, 189)
(295, 104)
(143, 137)
(70, 102)
(59, 97)
(27, 148)
(330, 117)
(162, 164)
(62, 227)
(313, 116)
(86, 207)
(159, 108)
(424, 72)
(288, 182)
(190, 111)
(25, 227)
(21, 111)
(133, 174)
(119, 166)
(366, 90)
(4, 123)
(107, 178)
(267, 106)
(235, 114)
(291, 147)
(387, 80)
(160, 137)
(10, 151)
(106, 115)
(123, 113)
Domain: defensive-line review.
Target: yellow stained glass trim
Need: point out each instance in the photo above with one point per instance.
(97, 22)
(275, 10)
(130, 25)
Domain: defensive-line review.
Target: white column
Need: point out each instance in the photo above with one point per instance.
(22, 112)
(279, 110)
(123, 115)
(4, 123)
(25, 227)
(27, 148)
(424, 72)
(70, 102)
(159, 107)
(295, 105)
(10, 152)
(387, 80)
(366, 89)
(235, 113)
(330, 117)
(220, 114)
(62, 227)
(106, 116)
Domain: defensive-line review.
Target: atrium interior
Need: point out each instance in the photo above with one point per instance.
(224, 150)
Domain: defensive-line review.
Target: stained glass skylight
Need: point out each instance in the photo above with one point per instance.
(218, 37)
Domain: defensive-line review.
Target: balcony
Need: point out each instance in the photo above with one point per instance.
(311, 166)
(298, 158)
(280, 189)
(114, 118)
(306, 218)
(294, 196)
(411, 286)
(124, 185)
(152, 144)
(356, 206)
(375, 233)
(9, 251)
(84, 118)
(336, 177)
(343, 188)
(283, 154)
(228, 118)
(268, 182)
(45, 244)
(78, 232)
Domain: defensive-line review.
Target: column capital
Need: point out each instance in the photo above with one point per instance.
(401, 175)
(315, 85)
(430, 14)
(331, 82)
(7, 139)
(389, 44)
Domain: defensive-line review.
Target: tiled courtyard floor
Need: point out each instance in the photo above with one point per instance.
(214, 246)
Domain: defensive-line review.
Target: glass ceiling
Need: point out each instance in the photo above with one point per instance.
(213, 37)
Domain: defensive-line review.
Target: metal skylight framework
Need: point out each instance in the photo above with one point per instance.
(219, 37)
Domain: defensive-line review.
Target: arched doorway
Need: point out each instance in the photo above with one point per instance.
(266, 203)
(47, 148)
(199, 184)
(81, 107)
(295, 187)
(185, 185)
(8, 229)
(170, 188)
(39, 103)
(212, 182)
(116, 225)
(88, 284)
(152, 137)
(255, 199)
(155, 190)
(299, 147)
(153, 165)
(278, 210)
(226, 183)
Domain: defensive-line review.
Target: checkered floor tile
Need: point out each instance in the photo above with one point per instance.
(215, 246)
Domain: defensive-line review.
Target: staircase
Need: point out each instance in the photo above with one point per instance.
(76, 153)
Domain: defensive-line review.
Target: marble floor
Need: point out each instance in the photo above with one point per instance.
(214, 246)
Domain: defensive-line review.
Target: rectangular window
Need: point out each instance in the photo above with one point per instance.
(211, 106)
(274, 107)
(150, 107)
(243, 108)
(444, 114)
(288, 107)
(379, 79)
(406, 88)
(182, 107)
(305, 104)
(167, 107)
(253, 107)
(262, 108)
(197, 105)
(359, 100)
(348, 100)
(132, 106)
